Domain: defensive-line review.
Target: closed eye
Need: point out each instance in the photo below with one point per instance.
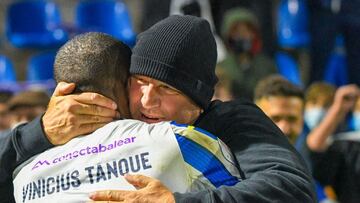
(140, 80)
(169, 90)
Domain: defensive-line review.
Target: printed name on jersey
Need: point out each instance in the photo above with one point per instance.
(94, 174)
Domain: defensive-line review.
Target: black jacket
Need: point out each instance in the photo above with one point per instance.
(339, 166)
(273, 170)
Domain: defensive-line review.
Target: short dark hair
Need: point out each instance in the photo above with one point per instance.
(276, 85)
(95, 62)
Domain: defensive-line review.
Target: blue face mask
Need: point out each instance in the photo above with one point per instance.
(356, 121)
(313, 117)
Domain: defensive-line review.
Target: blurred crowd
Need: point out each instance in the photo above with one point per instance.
(298, 60)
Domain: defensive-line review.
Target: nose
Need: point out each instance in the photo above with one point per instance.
(285, 127)
(150, 98)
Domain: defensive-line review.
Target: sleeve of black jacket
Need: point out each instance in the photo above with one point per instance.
(16, 147)
(274, 171)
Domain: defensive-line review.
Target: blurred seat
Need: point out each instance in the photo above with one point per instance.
(108, 16)
(292, 24)
(7, 72)
(40, 72)
(34, 24)
(41, 66)
(288, 67)
(8, 76)
(336, 68)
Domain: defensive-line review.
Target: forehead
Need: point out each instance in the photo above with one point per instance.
(240, 28)
(320, 101)
(279, 105)
(153, 81)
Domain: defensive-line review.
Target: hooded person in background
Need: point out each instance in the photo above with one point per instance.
(245, 64)
(172, 77)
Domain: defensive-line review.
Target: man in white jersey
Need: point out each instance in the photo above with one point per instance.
(184, 158)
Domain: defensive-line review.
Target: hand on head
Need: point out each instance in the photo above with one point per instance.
(69, 116)
(346, 97)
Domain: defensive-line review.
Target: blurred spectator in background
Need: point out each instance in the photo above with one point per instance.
(200, 8)
(245, 64)
(336, 161)
(328, 19)
(318, 98)
(263, 10)
(356, 116)
(327, 120)
(326, 111)
(4, 115)
(283, 103)
(27, 105)
(223, 87)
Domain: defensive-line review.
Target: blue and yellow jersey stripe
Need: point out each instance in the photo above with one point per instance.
(206, 156)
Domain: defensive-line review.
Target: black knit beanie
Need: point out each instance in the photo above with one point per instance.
(180, 51)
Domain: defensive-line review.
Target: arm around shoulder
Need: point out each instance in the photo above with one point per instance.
(16, 147)
(20, 144)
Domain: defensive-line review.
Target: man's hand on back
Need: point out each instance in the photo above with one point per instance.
(69, 116)
(148, 190)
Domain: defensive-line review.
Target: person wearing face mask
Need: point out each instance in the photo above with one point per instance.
(245, 63)
(335, 161)
(355, 119)
(323, 125)
(318, 98)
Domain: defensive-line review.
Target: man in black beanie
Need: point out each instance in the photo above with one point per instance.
(173, 78)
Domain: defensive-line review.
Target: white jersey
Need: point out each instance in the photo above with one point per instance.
(182, 157)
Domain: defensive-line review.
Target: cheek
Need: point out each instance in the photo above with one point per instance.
(188, 114)
(191, 116)
(134, 95)
(134, 102)
(299, 126)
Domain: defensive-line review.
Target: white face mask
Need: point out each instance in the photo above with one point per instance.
(356, 120)
(313, 116)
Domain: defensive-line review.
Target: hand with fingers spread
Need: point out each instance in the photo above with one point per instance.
(148, 190)
(68, 116)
